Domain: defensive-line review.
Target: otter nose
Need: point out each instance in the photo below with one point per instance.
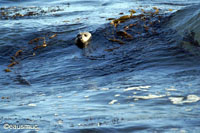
(79, 36)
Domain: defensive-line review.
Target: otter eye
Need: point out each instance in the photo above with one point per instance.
(85, 35)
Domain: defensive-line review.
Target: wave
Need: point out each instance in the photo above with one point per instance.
(151, 44)
(187, 23)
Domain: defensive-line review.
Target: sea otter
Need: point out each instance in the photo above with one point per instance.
(83, 39)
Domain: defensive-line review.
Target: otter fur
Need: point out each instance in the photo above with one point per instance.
(83, 39)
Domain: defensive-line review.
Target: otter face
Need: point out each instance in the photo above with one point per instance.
(83, 39)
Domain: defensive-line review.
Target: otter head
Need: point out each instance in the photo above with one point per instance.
(83, 39)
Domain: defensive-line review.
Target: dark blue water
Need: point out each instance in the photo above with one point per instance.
(149, 84)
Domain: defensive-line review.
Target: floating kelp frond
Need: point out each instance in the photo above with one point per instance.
(21, 12)
(132, 11)
(7, 70)
(120, 20)
(116, 40)
(110, 19)
(44, 44)
(124, 34)
(146, 28)
(111, 49)
(18, 53)
(52, 36)
(156, 10)
(12, 64)
(129, 26)
(40, 46)
(35, 40)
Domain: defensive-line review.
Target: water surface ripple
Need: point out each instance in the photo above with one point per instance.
(149, 84)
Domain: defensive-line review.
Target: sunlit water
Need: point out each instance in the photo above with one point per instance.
(149, 84)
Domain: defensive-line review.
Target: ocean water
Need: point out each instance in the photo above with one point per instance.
(150, 83)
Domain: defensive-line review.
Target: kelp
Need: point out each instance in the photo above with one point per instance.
(146, 28)
(132, 12)
(130, 26)
(120, 20)
(18, 53)
(44, 44)
(116, 40)
(21, 12)
(111, 49)
(54, 35)
(13, 63)
(118, 35)
(124, 34)
(7, 70)
(143, 24)
(37, 41)
(156, 10)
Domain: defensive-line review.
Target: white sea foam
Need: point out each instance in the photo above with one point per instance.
(150, 96)
(179, 100)
(32, 105)
(112, 102)
(137, 88)
(117, 95)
